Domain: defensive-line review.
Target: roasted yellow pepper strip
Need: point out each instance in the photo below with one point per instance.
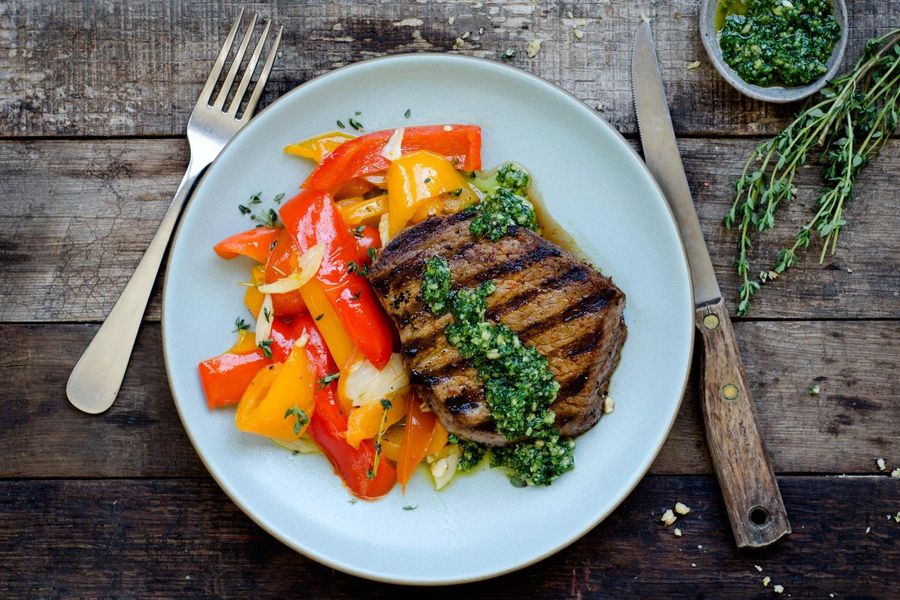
(318, 147)
(253, 298)
(364, 421)
(284, 411)
(416, 177)
(246, 342)
(339, 342)
(363, 211)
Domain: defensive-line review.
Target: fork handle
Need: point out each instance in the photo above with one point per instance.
(749, 488)
(97, 377)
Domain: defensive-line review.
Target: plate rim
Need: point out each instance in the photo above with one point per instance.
(335, 563)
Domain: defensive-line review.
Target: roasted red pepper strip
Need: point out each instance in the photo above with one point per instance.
(328, 426)
(255, 243)
(312, 218)
(282, 262)
(362, 156)
(368, 238)
(225, 377)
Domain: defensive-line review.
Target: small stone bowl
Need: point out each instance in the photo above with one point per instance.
(710, 37)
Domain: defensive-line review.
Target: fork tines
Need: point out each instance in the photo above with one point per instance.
(206, 96)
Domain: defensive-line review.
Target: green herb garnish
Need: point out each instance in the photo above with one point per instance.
(329, 378)
(266, 347)
(244, 210)
(408, 113)
(240, 324)
(300, 418)
(849, 126)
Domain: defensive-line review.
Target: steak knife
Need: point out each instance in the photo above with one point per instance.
(749, 488)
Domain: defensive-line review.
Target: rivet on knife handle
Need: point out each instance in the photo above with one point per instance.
(751, 493)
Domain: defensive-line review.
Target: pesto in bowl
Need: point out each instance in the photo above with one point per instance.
(777, 42)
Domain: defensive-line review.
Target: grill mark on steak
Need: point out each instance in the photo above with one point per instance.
(566, 310)
(575, 274)
(584, 306)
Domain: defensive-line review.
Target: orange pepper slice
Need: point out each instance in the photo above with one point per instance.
(319, 146)
(417, 437)
(284, 410)
(364, 421)
(438, 440)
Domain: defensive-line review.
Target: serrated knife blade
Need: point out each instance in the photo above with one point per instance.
(664, 161)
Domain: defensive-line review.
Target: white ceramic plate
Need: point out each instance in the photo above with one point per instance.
(594, 185)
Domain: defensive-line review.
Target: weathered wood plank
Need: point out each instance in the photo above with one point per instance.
(78, 215)
(109, 68)
(185, 538)
(843, 429)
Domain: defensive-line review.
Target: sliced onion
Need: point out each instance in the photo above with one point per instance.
(362, 383)
(393, 148)
(443, 468)
(384, 229)
(307, 267)
(303, 445)
(378, 181)
(264, 320)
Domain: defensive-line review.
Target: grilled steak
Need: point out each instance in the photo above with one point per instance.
(554, 302)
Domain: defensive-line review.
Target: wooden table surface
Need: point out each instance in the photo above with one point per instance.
(94, 97)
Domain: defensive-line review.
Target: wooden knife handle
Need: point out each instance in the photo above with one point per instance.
(748, 484)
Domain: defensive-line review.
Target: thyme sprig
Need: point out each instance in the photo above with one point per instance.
(856, 116)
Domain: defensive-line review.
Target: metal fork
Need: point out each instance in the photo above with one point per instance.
(97, 377)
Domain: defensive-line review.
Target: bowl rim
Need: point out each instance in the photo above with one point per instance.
(775, 94)
(240, 501)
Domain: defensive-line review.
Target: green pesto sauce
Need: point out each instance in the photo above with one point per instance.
(505, 203)
(777, 42)
(472, 453)
(518, 385)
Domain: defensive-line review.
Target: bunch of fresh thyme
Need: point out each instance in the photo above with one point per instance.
(858, 113)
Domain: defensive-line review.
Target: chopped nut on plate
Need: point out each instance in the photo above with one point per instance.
(778, 589)
(758, 568)
(693, 65)
(896, 473)
(677, 532)
(532, 48)
(766, 581)
(681, 509)
(880, 463)
(668, 517)
(609, 405)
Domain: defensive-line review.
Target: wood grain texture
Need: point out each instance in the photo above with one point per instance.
(843, 429)
(109, 68)
(184, 538)
(746, 478)
(78, 215)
